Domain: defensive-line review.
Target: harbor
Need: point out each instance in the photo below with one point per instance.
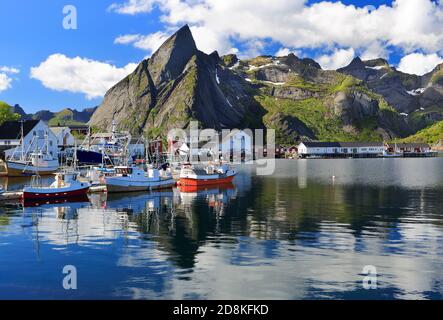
(214, 242)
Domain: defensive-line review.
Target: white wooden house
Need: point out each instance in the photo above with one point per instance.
(64, 136)
(340, 149)
(37, 136)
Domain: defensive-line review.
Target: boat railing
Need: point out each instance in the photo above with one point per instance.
(36, 182)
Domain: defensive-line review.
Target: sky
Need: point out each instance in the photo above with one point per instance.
(58, 53)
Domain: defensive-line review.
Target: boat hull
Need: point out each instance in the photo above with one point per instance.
(17, 169)
(36, 194)
(124, 185)
(205, 182)
(89, 157)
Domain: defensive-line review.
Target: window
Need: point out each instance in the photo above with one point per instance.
(50, 143)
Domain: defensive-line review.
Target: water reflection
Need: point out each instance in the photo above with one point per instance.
(293, 236)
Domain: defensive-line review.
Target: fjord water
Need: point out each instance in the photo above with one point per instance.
(298, 234)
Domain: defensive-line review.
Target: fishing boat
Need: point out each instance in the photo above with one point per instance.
(391, 153)
(209, 175)
(29, 162)
(128, 179)
(65, 185)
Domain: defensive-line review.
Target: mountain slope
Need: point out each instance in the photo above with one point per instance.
(295, 96)
(431, 135)
(176, 85)
(419, 98)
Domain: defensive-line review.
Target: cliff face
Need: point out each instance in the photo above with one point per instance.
(295, 96)
(418, 97)
(176, 85)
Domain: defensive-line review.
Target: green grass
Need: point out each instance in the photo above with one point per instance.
(64, 118)
(431, 135)
(437, 76)
(314, 114)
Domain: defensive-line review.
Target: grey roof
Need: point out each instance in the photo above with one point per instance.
(409, 145)
(360, 144)
(342, 144)
(322, 144)
(12, 129)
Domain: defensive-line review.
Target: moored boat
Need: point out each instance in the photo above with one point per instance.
(37, 163)
(65, 185)
(128, 178)
(210, 175)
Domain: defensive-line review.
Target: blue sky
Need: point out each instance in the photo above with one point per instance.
(113, 35)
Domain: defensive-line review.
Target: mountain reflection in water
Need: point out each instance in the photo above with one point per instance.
(298, 234)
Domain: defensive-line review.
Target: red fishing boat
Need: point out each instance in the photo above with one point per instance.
(210, 175)
(65, 185)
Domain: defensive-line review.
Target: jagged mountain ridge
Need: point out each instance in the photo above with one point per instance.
(295, 96)
(420, 97)
(63, 117)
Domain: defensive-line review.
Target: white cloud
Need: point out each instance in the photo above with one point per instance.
(79, 75)
(338, 59)
(150, 42)
(7, 69)
(5, 82)
(408, 24)
(132, 7)
(283, 52)
(418, 63)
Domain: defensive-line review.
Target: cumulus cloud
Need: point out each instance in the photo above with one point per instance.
(5, 78)
(408, 24)
(79, 75)
(419, 63)
(338, 59)
(132, 7)
(5, 82)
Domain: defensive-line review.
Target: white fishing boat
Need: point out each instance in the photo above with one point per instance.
(128, 178)
(35, 163)
(39, 162)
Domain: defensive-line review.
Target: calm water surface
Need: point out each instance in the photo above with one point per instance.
(299, 234)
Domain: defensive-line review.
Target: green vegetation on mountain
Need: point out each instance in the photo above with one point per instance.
(64, 118)
(365, 101)
(431, 135)
(6, 113)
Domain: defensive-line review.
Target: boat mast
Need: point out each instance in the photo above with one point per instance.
(22, 142)
(47, 142)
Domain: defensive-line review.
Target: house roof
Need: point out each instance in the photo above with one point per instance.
(360, 144)
(342, 144)
(12, 129)
(409, 145)
(321, 144)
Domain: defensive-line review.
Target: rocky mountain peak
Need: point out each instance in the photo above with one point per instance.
(170, 59)
(356, 63)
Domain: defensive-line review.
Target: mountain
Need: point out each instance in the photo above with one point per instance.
(179, 83)
(420, 98)
(432, 135)
(64, 117)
